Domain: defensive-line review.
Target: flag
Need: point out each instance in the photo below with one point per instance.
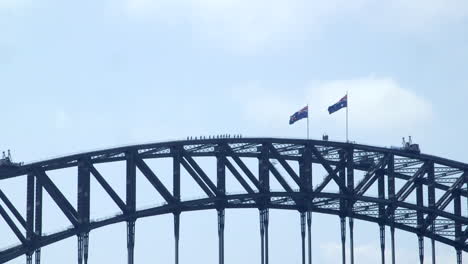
(303, 113)
(341, 104)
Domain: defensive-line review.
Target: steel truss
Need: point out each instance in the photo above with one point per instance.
(288, 161)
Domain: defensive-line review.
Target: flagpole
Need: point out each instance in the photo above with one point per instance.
(347, 107)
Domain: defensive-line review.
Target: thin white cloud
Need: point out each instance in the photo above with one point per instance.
(373, 102)
(249, 26)
(242, 26)
(376, 106)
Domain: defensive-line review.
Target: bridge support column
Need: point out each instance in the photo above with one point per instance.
(392, 198)
(351, 240)
(459, 256)
(431, 197)
(309, 231)
(37, 255)
(264, 215)
(303, 232)
(30, 214)
(380, 173)
(176, 237)
(262, 238)
(382, 242)
(221, 216)
(343, 239)
(38, 223)
(433, 247)
(131, 204)
(130, 241)
(421, 248)
(83, 204)
(85, 247)
(392, 235)
(80, 249)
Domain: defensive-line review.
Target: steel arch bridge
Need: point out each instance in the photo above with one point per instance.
(439, 186)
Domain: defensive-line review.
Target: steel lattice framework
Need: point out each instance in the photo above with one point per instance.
(438, 184)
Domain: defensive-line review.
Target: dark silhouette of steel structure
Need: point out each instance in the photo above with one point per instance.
(395, 173)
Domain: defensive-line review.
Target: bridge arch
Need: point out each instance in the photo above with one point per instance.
(352, 168)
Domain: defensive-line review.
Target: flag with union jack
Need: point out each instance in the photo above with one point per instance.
(303, 113)
(341, 104)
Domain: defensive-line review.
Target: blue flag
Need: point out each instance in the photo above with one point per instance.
(341, 104)
(303, 113)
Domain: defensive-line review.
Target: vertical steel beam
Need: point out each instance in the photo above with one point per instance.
(309, 227)
(305, 172)
(458, 226)
(85, 247)
(29, 258)
(381, 193)
(264, 177)
(391, 197)
(431, 203)
(382, 242)
(350, 185)
(221, 187)
(263, 170)
(303, 231)
(176, 236)
(343, 239)
(392, 236)
(391, 177)
(433, 246)
(221, 173)
(381, 190)
(262, 237)
(176, 193)
(83, 193)
(421, 248)
(131, 204)
(176, 173)
(221, 236)
(459, 251)
(343, 205)
(30, 215)
(80, 249)
(420, 219)
(83, 209)
(131, 182)
(342, 179)
(38, 223)
(264, 215)
(131, 241)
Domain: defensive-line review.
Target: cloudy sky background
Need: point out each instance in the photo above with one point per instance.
(76, 76)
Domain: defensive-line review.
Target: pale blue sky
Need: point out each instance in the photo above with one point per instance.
(76, 76)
